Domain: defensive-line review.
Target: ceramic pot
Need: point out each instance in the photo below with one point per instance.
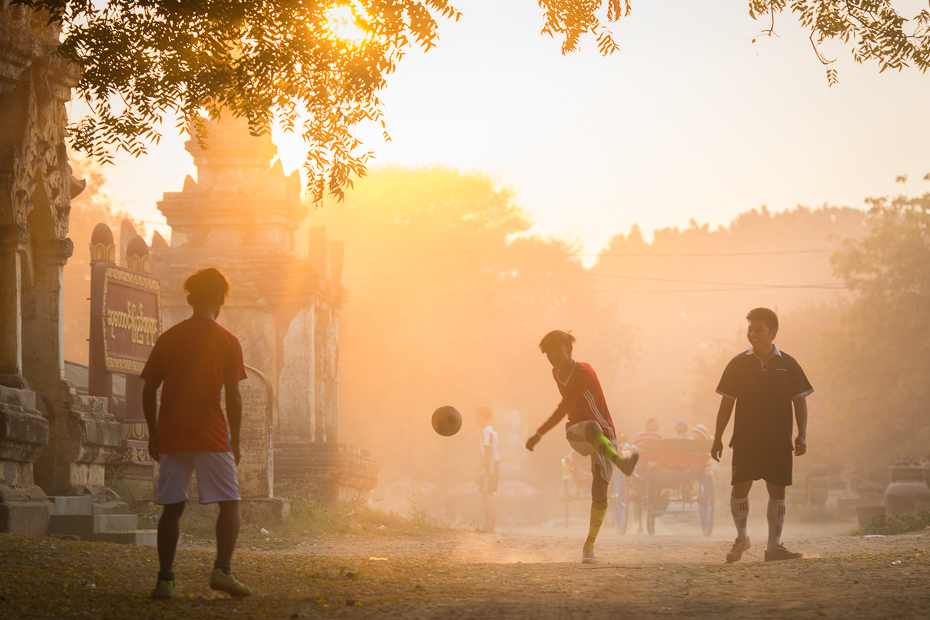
(907, 490)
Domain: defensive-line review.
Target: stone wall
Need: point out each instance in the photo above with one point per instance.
(36, 187)
(256, 467)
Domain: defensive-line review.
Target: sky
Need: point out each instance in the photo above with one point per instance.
(696, 117)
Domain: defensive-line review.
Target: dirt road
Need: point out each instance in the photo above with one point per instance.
(513, 575)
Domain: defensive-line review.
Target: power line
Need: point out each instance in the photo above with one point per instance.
(408, 248)
(712, 283)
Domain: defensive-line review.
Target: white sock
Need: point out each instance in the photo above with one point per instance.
(740, 510)
(776, 517)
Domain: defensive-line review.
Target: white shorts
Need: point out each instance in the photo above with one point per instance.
(580, 444)
(217, 479)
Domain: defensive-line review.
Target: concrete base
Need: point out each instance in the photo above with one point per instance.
(23, 433)
(70, 504)
(265, 510)
(86, 526)
(139, 538)
(78, 517)
(23, 510)
(85, 505)
(110, 508)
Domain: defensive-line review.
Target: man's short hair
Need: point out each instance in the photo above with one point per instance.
(556, 338)
(765, 315)
(206, 285)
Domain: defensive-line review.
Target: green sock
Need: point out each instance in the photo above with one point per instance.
(598, 512)
(166, 575)
(603, 446)
(223, 565)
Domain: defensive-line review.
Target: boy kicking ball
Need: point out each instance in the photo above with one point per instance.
(589, 430)
(763, 383)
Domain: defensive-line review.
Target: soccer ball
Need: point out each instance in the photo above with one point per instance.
(447, 420)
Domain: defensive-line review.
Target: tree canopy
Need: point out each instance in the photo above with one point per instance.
(317, 66)
(876, 359)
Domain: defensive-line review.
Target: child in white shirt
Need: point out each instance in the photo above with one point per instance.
(489, 471)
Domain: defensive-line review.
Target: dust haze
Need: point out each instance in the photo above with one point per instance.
(449, 296)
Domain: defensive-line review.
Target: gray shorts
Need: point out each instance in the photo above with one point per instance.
(217, 479)
(580, 444)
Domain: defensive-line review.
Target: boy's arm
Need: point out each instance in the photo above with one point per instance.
(576, 387)
(150, 409)
(723, 418)
(800, 414)
(234, 415)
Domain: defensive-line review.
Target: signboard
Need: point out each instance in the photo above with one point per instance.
(125, 317)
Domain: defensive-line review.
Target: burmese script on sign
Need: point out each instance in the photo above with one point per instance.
(126, 307)
(142, 329)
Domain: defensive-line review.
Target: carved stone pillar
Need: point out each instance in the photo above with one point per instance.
(321, 371)
(23, 430)
(326, 380)
(12, 243)
(83, 434)
(296, 385)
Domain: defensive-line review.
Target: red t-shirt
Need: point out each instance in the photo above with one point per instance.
(582, 399)
(193, 359)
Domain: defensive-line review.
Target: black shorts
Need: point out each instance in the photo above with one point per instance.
(773, 466)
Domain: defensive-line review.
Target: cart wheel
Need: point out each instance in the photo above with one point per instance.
(651, 524)
(706, 502)
(621, 505)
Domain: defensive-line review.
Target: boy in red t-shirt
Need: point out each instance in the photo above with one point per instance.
(191, 362)
(589, 430)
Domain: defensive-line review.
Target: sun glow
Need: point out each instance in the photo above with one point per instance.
(343, 21)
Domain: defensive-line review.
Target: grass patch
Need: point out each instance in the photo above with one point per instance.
(307, 520)
(129, 490)
(897, 523)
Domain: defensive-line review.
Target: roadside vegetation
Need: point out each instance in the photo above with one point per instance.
(307, 520)
(897, 523)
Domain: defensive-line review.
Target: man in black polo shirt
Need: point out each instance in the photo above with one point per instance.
(763, 382)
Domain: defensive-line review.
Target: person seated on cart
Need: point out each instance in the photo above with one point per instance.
(651, 432)
(699, 432)
(681, 430)
(589, 430)
(763, 383)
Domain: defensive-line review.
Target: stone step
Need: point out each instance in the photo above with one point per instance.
(139, 538)
(70, 504)
(111, 508)
(86, 526)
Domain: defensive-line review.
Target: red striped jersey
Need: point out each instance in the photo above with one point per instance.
(582, 399)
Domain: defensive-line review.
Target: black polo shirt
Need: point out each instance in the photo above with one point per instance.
(764, 417)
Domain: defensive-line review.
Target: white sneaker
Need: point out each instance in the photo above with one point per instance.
(736, 551)
(588, 557)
